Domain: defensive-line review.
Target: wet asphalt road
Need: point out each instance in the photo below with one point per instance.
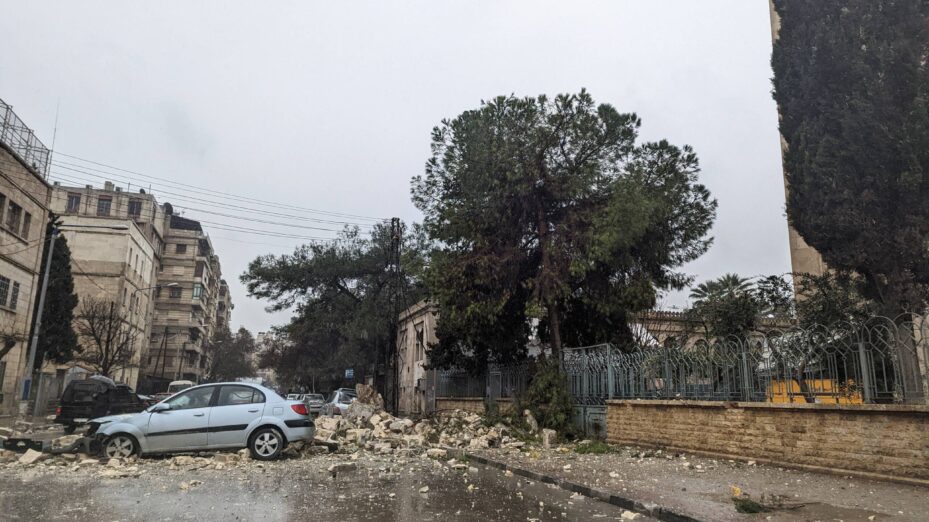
(286, 491)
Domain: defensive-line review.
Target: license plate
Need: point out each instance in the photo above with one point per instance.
(80, 420)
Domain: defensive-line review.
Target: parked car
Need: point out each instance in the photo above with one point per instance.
(207, 417)
(96, 396)
(294, 397)
(338, 402)
(314, 402)
(173, 387)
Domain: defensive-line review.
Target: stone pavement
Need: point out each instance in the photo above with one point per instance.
(703, 488)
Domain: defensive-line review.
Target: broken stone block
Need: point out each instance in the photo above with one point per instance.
(368, 395)
(436, 453)
(342, 467)
(225, 458)
(65, 441)
(414, 441)
(359, 413)
(31, 457)
(530, 420)
(548, 437)
(329, 424)
(401, 426)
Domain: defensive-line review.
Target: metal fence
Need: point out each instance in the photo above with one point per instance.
(16, 135)
(496, 382)
(880, 361)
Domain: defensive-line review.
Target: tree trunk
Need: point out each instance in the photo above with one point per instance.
(555, 325)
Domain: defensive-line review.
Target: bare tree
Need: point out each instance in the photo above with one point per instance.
(9, 337)
(106, 336)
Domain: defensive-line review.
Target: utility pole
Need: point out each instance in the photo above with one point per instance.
(391, 368)
(34, 344)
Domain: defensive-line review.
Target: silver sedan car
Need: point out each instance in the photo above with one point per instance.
(212, 416)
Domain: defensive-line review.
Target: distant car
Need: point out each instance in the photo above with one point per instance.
(293, 397)
(338, 402)
(314, 402)
(96, 396)
(211, 416)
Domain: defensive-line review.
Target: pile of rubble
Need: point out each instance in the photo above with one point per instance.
(366, 425)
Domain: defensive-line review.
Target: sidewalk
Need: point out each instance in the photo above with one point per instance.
(702, 488)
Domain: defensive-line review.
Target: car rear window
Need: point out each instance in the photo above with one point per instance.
(81, 392)
(232, 395)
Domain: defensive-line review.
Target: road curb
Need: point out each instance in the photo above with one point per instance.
(653, 510)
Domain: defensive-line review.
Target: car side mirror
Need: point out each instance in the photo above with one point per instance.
(160, 407)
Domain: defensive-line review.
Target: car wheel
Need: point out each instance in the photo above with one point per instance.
(120, 446)
(266, 444)
(70, 428)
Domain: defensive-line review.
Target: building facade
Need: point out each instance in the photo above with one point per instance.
(116, 244)
(415, 333)
(804, 259)
(186, 303)
(24, 199)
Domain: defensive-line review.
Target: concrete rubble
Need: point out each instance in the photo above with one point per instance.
(365, 428)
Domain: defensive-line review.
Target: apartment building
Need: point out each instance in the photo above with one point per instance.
(224, 306)
(116, 241)
(186, 311)
(24, 198)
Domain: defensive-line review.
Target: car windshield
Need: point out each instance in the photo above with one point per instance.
(346, 398)
(314, 397)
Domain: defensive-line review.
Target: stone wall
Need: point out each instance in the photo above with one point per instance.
(472, 404)
(888, 441)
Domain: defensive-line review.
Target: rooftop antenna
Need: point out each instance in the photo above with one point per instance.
(54, 137)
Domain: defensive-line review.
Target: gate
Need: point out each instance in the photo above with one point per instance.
(589, 374)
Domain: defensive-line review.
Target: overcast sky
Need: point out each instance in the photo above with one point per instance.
(329, 105)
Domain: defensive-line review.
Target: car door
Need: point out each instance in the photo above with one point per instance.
(238, 408)
(184, 425)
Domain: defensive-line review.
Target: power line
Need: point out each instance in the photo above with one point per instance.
(211, 203)
(256, 200)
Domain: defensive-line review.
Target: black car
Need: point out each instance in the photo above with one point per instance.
(95, 397)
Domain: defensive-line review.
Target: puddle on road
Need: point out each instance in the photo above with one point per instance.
(286, 494)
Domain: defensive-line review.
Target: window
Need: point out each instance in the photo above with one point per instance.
(125, 298)
(158, 291)
(198, 272)
(14, 296)
(175, 292)
(195, 398)
(4, 290)
(27, 222)
(180, 248)
(233, 395)
(74, 203)
(198, 291)
(13, 216)
(103, 206)
(2, 206)
(135, 207)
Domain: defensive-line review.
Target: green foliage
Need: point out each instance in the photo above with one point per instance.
(732, 306)
(549, 209)
(57, 339)
(229, 356)
(595, 447)
(830, 299)
(850, 79)
(343, 296)
(549, 399)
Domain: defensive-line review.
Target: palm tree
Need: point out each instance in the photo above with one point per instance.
(726, 285)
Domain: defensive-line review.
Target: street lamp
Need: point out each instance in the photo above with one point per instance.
(34, 343)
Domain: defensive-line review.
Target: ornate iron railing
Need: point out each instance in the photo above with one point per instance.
(20, 138)
(879, 361)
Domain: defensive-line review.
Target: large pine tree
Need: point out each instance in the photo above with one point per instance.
(549, 209)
